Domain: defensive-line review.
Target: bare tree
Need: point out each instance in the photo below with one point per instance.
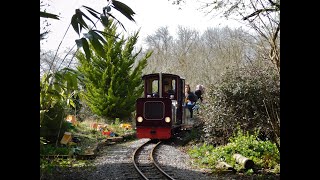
(200, 58)
(261, 15)
(185, 51)
(161, 43)
(62, 60)
(161, 40)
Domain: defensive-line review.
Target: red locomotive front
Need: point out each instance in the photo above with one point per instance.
(153, 118)
(160, 111)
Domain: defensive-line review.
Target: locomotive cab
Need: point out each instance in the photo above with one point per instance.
(159, 112)
(157, 87)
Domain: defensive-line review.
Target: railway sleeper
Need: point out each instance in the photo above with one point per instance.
(147, 169)
(154, 176)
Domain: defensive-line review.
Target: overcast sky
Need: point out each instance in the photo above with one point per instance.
(150, 15)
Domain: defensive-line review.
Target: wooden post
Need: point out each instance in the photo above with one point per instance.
(247, 163)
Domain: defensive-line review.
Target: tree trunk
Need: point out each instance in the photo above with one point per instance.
(275, 55)
(247, 163)
(225, 166)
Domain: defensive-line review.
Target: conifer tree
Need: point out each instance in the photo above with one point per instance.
(113, 82)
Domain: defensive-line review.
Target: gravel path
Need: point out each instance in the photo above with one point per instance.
(171, 158)
(114, 162)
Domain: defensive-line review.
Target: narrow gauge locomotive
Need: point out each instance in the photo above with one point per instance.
(160, 112)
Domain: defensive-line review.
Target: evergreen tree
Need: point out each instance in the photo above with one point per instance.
(113, 82)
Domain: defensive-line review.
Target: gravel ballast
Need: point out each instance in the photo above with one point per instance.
(114, 162)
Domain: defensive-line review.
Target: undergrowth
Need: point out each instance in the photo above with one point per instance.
(87, 136)
(263, 153)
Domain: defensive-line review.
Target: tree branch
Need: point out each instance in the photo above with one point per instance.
(276, 33)
(274, 4)
(258, 12)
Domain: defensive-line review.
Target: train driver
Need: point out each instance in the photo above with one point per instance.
(168, 90)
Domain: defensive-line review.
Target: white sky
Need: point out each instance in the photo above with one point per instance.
(150, 15)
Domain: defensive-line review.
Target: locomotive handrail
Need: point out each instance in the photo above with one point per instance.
(160, 84)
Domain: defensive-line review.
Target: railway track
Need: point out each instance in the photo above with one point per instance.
(145, 164)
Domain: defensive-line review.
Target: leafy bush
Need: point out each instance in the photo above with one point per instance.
(249, 98)
(264, 153)
(52, 150)
(50, 126)
(77, 107)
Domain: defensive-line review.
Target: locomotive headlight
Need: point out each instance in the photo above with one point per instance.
(167, 119)
(139, 119)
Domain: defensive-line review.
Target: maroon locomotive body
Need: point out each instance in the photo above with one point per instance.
(160, 111)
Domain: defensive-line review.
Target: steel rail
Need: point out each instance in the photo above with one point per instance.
(156, 164)
(134, 161)
(135, 154)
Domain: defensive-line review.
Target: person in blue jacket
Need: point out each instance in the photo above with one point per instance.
(190, 100)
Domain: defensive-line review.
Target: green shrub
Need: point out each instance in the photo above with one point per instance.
(249, 98)
(113, 82)
(50, 126)
(52, 150)
(264, 153)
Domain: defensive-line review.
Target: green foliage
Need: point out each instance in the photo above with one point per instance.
(247, 97)
(88, 138)
(49, 94)
(94, 36)
(52, 150)
(48, 166)
(112, 84)
(48, 15)
(117, 121)
(77, 105)
(58, 92)
(50, 127)
(60, 87)
(43, 141)
(264, 153)
(78, 23)
(124, 9)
